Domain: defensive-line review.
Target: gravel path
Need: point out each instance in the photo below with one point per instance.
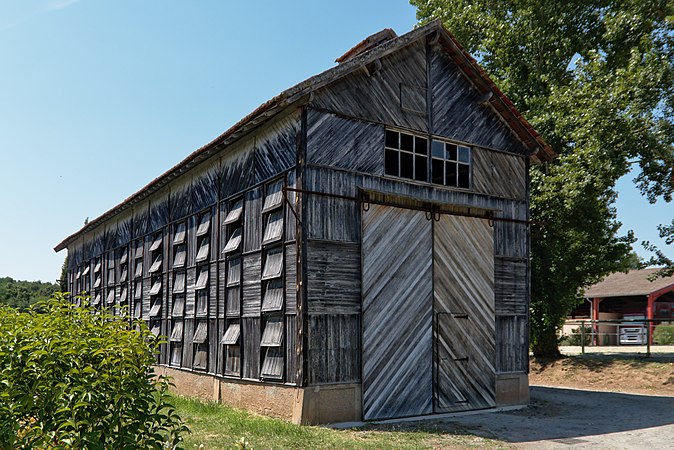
(579, 419)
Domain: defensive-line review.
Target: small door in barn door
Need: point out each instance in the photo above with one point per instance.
(397, 255)
(463, 284)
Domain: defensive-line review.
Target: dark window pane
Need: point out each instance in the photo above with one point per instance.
(464, 154)
(392, 139)
(406, 165)
(450, 174)
(391, 162)
(438, 171)
(464, 175)
(420, 146)
(438, 149)
(406, 142)
(420, 168)
(451, 152)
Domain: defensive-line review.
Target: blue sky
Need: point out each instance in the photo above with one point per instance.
(98, 97)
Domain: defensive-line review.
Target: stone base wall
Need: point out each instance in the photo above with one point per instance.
(307, 406)
(313, 405)
(512, 389)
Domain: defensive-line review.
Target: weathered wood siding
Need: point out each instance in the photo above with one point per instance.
(463, 260)
(456, 113)
(189, 294)
(499, 174)
(394, 95)
(397, 313)
(334, 350)
(349, 144)
(333, 270)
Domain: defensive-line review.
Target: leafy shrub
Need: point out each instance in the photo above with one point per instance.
(78, 378)
(576, 338)
(664, 335)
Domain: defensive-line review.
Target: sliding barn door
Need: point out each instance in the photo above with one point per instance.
(463, 282)
(397, 252)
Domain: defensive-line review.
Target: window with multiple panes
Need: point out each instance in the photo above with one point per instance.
(407, 156)
(450, 164)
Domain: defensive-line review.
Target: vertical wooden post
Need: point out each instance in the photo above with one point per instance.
(301, 246)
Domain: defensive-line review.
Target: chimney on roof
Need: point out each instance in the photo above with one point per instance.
(368, 43)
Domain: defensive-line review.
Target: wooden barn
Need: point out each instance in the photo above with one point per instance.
(354, 249)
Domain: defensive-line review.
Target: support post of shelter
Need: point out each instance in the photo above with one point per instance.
(650, 314)
(595, 318)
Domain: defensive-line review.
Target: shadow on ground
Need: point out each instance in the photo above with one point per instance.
(571, 417)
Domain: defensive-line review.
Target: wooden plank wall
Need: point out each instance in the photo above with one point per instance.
(464, 306)
(336, 141)
(397, 313)
(395, 95)
(241, 171)
(456, 113)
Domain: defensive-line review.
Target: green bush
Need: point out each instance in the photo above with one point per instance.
(664, 335)
(82, 379)
(576, 338)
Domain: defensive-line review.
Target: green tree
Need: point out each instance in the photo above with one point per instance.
(22, 294)
(63, 279)
(596, 79)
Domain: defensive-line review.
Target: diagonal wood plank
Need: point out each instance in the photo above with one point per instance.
(397, 313)
(464, 306)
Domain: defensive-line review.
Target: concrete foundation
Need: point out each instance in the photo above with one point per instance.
(307, 406)
(313, 405)
(512, 389)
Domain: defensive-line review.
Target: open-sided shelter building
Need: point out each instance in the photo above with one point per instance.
(355, 248)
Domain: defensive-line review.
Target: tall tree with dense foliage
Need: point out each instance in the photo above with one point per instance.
(22, 294)
(596, 79)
